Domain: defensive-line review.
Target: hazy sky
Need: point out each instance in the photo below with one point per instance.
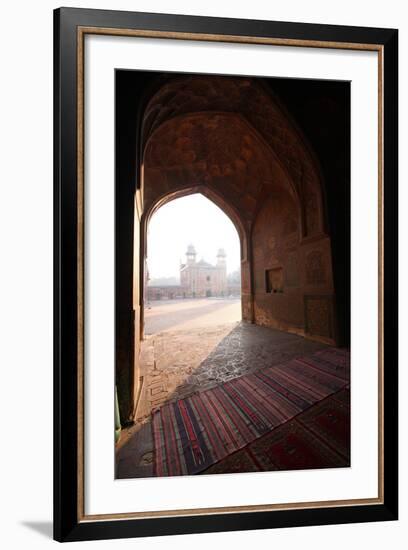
(193, 219)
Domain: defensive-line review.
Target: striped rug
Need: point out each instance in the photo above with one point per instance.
(193, 433)
(317, 438)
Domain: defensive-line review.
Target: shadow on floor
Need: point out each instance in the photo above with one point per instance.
(245, 349)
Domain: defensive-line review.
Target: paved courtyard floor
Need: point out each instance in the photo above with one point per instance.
(191, 346)
(186, 314)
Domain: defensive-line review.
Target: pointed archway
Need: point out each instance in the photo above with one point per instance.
(231, 140)
(230, 212)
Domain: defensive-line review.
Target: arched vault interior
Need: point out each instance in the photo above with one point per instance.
(232, 140)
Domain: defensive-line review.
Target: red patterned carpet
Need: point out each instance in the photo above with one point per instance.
(262, 421)
(316, 438)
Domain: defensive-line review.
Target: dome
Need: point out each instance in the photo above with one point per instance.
(203, 263)
(221, 253)
(191, 249)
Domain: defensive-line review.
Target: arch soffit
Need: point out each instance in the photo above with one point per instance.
(263, 111)
(266, 172)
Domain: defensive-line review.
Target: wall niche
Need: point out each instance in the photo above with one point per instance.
(274, 280)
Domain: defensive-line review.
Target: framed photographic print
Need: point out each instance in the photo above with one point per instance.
(225, 274)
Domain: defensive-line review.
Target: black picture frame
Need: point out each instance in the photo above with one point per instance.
(68, 525)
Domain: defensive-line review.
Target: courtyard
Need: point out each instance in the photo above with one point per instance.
(186, 314)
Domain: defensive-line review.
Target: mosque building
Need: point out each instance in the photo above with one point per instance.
(202, 279)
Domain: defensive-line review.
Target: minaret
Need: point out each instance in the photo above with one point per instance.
(222, 271)
(191, 255)
(221, 258)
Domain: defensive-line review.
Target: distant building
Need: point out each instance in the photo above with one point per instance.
(198, 279)
(202, 279)
(234, 283)
(162, 288)
(165, 292)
